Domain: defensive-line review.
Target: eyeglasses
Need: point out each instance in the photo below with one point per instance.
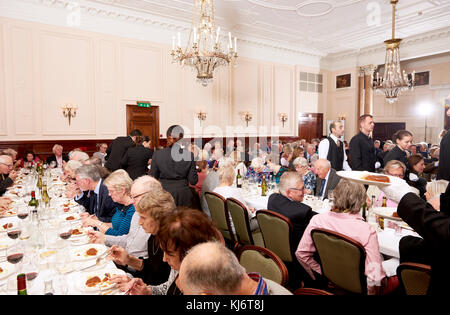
(8, 165)
(134, 197)
(299, 189)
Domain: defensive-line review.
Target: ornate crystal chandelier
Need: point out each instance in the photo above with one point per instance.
(394, 81)
(203, 50)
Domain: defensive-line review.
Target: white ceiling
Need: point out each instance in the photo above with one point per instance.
(321, 27)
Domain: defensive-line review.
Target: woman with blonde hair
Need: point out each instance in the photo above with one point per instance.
(119, 187)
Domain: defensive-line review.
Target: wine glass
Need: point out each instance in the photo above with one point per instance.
(14, 254)
(23, 212)
(65, 232)
(14, 230)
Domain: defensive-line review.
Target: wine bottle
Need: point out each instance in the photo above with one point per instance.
(33, 202)
(45, 198)
(239, 179)
(21, 284)
(263, 186)
(384, 202)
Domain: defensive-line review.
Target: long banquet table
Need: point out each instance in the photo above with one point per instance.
(64, 263)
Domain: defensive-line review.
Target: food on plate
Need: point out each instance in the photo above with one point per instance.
(91, 252)
(77, 232)
(377, 178)
(94, 281)
(70, 218)
(7, 225)
(1, 270)
(395, 215)
(66, 209)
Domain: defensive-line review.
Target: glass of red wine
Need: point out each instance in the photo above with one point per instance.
(14, 230)
(65, 232)
(23, 212)
(14, 254)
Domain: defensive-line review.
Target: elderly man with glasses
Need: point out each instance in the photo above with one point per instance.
(7, 174)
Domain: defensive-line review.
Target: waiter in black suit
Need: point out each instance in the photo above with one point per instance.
(117, 149)
(362, 148)
(175, 167)
(93, 195)
(137, 159)
(444, 156)
(332, 148)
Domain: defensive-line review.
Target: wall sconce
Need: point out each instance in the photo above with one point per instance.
(247, 117)
(69, 111)
(201, 116)
(283, 117)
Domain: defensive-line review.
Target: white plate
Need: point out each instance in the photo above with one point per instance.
(79, 253)
(357, 176)
(67, 217)
(6, 270)
(101, 274)
(386, 212)
(4, 228)
(5, 243)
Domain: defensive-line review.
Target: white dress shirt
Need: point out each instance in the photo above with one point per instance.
(324, 146)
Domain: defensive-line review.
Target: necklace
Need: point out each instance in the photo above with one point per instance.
(153, 246)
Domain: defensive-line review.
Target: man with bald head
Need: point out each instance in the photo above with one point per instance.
(327, 179)
(211, 268)
(7, 174)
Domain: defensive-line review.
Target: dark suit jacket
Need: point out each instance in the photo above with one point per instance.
(175, 168)
(5, 183)
(135, 161)
(333, 180)
(396, 154)
(434, 227)
(106, 206)
(362, 153)
(444, 158)
(299, 214)
(53, 158)
(116, 150)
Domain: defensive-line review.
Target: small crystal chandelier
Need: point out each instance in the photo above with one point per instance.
(203, 50)
(394, 81)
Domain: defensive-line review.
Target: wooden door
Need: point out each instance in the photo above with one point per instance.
(310, 126)
(385, 131)
(146, 119)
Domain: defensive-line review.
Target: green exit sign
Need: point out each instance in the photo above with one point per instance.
(143, 104)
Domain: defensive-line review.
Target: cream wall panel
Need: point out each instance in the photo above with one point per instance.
(142, 72)
(107, 93)
(283, 86)
(22, 77)
(3, 112)
(67, 73)
(246, 88)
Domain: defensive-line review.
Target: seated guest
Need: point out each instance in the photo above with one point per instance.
(289, 203)
(226, 190)
(101, 152)
(79, 156)
(434, 191)
(286, 155)
(178, 232)
(29, 159)
(415, 179)
(413, 149)
(258, 170)
(230, 278)
(298, 152)
(152, 207)
(135, 243)
(56, 160)
(202, 170)
(393, 168)
(69, 169)
(345, 218)
(104, 172)
(13, 154)
(93, 195)
(4, 204)
(309, 178)
(119, 186)
(272, 161)
(326, 180)
(423, 150)
(137, 159)
(7, 174)
(431, 169)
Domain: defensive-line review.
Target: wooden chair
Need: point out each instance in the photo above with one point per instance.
(414, 278)
(219, 214)
(263, 261)
(276, 231)
(239, 216)
(342, 260)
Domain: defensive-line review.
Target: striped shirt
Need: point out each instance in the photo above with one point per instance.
(121, 220)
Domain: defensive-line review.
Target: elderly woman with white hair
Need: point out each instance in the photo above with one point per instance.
(258, 170)
(69, 170)
(119, 187)
(226, 190)
(56, 160)
(309, 178)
